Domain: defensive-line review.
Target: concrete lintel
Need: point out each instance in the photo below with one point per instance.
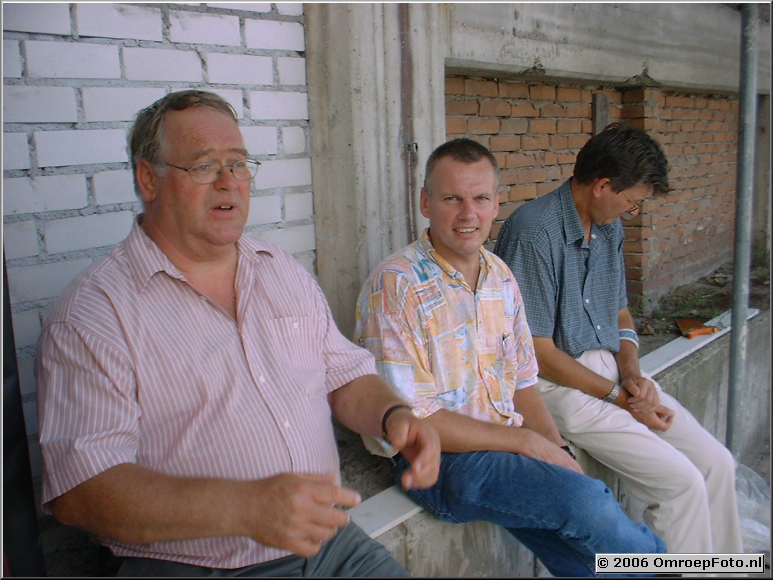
(694, 46)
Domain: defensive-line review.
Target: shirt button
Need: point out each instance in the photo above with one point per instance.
(598, 328)
(593, 236)
(262, 379)
(587, 301)
(295, 325)
(287, 424)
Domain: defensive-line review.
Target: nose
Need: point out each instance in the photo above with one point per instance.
(225, 178)
(467, 209)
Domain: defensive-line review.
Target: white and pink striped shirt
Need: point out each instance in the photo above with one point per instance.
(135, 366)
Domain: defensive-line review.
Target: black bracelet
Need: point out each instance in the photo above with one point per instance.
(569, 451)
(388, 412)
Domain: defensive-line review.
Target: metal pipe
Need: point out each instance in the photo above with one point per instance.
(742, 248)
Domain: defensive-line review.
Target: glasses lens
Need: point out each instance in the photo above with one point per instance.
(627, 216)
(204, 172)
(245, 169)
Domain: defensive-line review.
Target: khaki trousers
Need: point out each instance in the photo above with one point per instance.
(684, 475)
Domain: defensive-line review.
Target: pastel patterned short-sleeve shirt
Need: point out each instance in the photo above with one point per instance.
(441, 346)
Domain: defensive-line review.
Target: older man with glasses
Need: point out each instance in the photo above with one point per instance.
(566, 251)
(187, 381)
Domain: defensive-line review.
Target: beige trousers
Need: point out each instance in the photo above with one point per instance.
(684, 475)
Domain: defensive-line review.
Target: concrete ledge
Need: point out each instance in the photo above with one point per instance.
(428, 547)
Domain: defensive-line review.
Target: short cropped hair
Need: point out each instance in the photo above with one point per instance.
(146, 138)
(626, 156)
(463, 150)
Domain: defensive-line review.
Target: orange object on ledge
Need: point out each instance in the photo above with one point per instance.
(691, 327)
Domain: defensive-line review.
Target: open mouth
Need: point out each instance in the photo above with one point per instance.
(466, 230)
(224, 207)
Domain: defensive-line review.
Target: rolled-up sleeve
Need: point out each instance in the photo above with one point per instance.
(89, 416)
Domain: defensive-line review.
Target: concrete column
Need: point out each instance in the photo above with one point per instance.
(376, 111)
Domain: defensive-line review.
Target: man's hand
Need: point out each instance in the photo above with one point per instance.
(298, 512)
(661, 418)
(536, 446)
(644, 396)
(419, 442)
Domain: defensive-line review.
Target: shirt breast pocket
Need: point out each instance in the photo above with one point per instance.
(296, 347)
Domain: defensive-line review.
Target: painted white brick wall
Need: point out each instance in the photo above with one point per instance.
(41, 281)
(11, 59)
(75, 75)
(239, 68)
(292, 70)
(39, 105)
(161, 64)
(276, 35)
(16, 153)
(261, 140)
(279, 105)
(80, 147)
(299, 206)
(288, 173)
(118, 21)
(204, 29)
(46, 18)
(83, 232)
(26, 328)
(113, 187)
(294, 139)
(265, 209)
(25, 195)
(116, 104)
(67, 60)
(20, 240)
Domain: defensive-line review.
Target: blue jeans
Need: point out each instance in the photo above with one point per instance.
(562, 516)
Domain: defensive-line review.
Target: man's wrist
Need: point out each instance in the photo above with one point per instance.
(387, 413)
(612, 396)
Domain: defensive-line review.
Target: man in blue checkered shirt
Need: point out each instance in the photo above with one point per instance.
(566, 251)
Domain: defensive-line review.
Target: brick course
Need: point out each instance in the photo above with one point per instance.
(679, 237)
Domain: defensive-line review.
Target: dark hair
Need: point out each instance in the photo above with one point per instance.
(146, 138)
(626, 156)
(461, 149)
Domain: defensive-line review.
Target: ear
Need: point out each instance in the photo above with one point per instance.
(147, 180)
(424, 203)
(600, 185)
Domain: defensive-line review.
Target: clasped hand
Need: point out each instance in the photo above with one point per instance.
(643, 403)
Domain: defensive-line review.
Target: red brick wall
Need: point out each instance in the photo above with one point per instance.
(536, 130)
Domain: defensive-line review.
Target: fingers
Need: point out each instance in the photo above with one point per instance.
(420, 444)
(328, 493)
(646, 399)
(298, 512)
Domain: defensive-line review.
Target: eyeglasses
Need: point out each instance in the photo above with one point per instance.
(635, 207)
(209, 171)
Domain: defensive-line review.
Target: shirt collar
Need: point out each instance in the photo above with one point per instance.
(145, 258)
(573, 230)
(424, 244)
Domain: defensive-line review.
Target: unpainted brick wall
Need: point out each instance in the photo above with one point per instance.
(536, 130)
(74, 77)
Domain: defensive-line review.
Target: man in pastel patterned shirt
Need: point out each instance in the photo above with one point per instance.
(566, 250)
(187, 381)
(445, 320)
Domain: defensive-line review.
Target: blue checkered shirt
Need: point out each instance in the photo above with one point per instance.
(572, 290)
